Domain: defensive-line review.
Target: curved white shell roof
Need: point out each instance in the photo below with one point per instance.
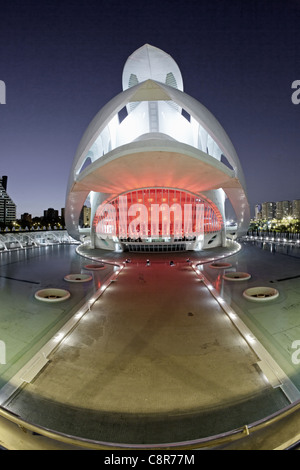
(112, 145)
(149, 62)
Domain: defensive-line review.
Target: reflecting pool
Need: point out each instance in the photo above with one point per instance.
(26, 323)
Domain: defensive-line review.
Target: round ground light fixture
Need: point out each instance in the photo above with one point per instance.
(261, 294)
(95, 267)
(234, 276)
(52, 295)
(220, 265)
(78, 278)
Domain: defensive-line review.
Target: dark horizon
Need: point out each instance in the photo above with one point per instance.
(61, 61)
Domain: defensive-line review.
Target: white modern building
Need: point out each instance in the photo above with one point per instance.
(156, 166)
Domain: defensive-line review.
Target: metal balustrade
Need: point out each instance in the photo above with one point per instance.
(279, 431)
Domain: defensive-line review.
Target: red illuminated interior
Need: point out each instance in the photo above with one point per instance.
(212, 218)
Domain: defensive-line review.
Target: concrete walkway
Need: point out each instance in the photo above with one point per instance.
(155, 360)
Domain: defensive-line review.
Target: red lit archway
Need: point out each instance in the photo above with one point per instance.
(157, 212)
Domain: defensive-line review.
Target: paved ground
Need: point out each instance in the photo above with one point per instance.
(277, 323)
(26, 323)
(156, 360)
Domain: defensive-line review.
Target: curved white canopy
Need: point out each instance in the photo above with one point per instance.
(138, 157)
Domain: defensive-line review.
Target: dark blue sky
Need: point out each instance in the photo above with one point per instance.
(62, 60)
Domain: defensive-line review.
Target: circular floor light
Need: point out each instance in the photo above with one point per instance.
(52, 295)
(95, 267)
(220, 265)
(261, 294)
(78, 278)
(235, 276)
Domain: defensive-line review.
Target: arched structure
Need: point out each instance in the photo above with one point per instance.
(153, 137)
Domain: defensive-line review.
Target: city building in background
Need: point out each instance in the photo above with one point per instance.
(8, 208)
(85, 217)
(26, 217)
(258, 212)
(296, 209)
(268, 210)
(277, 210)
(283, 209)
(62, 215)
(51, 215)
(155, 146)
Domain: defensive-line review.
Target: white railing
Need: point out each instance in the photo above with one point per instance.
(21, 240)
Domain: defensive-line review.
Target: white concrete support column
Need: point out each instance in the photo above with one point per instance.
(223, 234)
